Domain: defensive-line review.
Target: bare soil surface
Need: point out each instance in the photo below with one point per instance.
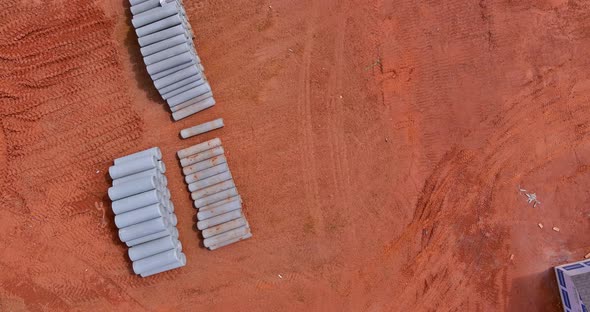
(382, 149)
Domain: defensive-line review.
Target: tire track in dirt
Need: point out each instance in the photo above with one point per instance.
(65, 113)
(304, 112)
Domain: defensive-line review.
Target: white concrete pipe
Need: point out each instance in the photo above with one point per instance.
(168, 53)
(205, 214)
(169, 63)
(155, 172)
(202, 128)
(192, 101)
(198, 148)
(190, 162)
(180, 75)
(182, 89)
(161, 35)
(218, 178)
(173, 70)
(161, 166)
(158, 260)
(140, 215)
(189, 94)
(163, 180)
(229, 242)
(203, 165)
(154, 151)
(231, 234)
(153, 15)
(163, 45)
(203, 174)
(137, 201)
(144, 6)
(202, 202)
(181, 83)
(172, 219)
(132, 167)
(133, 187)
(170, 206)
(142, 229)
(193, 109)
(134, 2)
(168, 22)
(221, 203)
(168, 231)
(151, 248)
(226, 217)
(174, 265)
(224, 227)
(213, 189)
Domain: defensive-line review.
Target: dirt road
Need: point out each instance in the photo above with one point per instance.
(380, 148)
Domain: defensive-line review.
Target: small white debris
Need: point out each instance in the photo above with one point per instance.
(511, 257)
(341, 96)
(291, 50)
(97, 171)
(280, 276)
(587, 256)
(556, 229)
(540, 225)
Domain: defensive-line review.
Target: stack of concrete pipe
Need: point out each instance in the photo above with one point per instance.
(165, 37)
(144, 213)
(220, 216)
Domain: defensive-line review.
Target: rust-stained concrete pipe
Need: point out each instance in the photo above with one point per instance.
(195, 163)
(218, 178)
(229, 242)
(231, 234)
(224, 227)
(201, 147)
(202, 202)
(213, 189)
(203, 174)
(220, 219)
(192, 101)
(205, 214)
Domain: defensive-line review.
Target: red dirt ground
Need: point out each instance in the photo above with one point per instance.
(379, 147)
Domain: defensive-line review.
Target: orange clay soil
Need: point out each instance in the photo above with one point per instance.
(379, 147)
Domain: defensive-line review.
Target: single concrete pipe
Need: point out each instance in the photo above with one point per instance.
(137, 201)
(158, 260)
(180, 75)
(224, 227)
(168, 53)
(169, 63)
(203, 174)
(192, 101)
(152, 28)
(140, 215)
(220, 219)
(213, 189)
(168, 231)
(202, 202)
(193, 109)
(161, 35)
(181, 83)
(154, 247)
(142, 229)
(235, 233)
(218, 178)
(174, 265)
(201, 147)
(229, 242)
(154, 151)
(134, 187)
(189, 163)
(189, 94)
(133, 167)
(202, 128)
(205, 214)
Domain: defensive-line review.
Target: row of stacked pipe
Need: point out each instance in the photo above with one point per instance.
(144, 213)
(165, 37)
(215, 196)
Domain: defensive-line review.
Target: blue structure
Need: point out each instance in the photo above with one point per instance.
(573, 280)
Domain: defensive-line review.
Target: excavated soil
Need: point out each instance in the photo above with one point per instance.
(380, 148)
